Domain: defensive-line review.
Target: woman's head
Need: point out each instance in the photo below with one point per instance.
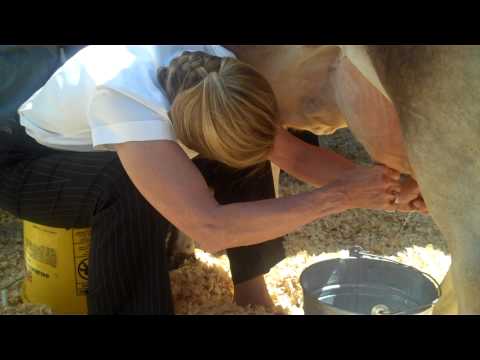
(221, 108)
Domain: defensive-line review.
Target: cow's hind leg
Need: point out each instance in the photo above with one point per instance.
(448, 304)
(449, 179)
(438, 99)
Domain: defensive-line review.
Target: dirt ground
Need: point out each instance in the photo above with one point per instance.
(203, 286)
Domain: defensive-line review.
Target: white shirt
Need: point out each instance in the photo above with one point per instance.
(104, 95)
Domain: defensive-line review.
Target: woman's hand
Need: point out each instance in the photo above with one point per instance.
(370, 187)
(409, 197)
(382, 188)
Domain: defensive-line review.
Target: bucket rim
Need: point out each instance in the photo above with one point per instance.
(427, 276)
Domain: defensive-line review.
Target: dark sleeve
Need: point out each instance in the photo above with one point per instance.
(71, 50)
(23, 70)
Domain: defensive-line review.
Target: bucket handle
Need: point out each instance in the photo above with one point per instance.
(358, 252)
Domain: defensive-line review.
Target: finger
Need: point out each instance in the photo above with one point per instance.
(415, 206)
(389, 183)
(408, 207)
(407, 197)
(395, 190)
(392, 174)
(422, 211)
(419, 204)
(392, 200)
(389, 179)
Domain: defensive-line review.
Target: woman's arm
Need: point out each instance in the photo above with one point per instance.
(306, 162)
(319, 167)
(172, 184)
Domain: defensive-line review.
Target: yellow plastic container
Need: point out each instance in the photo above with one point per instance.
(56, 263)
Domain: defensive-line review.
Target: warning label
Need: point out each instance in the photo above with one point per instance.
(83, 269)
(41, 253)
(31, 269)
(81, 248)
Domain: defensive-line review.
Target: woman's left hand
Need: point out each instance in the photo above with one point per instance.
(409, 198)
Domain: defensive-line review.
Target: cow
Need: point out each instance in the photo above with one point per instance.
(416, 109)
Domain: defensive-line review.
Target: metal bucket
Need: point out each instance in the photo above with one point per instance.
(365, 284)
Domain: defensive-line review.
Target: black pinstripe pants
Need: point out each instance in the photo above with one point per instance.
(128, 268)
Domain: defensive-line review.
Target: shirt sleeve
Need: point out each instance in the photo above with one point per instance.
(116, 118)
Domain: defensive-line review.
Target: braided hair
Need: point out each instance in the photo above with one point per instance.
(186, 71)
(221, 108)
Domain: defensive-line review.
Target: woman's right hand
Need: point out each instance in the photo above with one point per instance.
(374, 187)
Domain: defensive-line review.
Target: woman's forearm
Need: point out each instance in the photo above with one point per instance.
(308, 163)
(245, 224)
(318, 167)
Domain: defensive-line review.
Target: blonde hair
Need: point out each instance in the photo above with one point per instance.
(221, 108)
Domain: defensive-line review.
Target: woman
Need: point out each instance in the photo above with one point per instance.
(104, 144)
